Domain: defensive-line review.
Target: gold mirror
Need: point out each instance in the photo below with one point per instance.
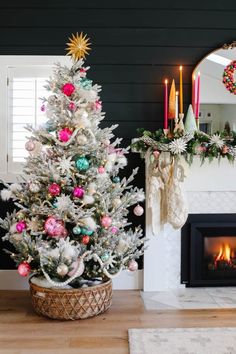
(217, 97)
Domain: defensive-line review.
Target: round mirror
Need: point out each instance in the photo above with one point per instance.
(217, 90)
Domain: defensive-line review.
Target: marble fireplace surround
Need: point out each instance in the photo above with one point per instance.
(210, 188)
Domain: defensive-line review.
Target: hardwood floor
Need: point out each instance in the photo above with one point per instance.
(23, 332)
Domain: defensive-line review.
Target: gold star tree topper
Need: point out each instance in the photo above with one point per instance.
(78, 46)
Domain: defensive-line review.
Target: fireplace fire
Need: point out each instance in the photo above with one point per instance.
(222, 253)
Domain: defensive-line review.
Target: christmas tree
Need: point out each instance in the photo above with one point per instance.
(70, 224)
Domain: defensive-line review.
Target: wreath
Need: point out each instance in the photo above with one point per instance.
(228, 77)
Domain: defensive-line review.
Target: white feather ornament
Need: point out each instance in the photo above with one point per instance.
(90, 223)
(111, 157)
(6, 194)
(88, 199)
(109, 166)
(14, 187)
(92, 188)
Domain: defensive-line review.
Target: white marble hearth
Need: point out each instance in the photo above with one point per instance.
(190, 298)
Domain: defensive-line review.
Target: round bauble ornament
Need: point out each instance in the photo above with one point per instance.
(76, 230)
(68, 89)
(78, 192)
(24, 269)
(82, 72)
(92, 188)
(116, 202)
(122, 246)
(82, 164)
(82, 139)
(105, 257)
(54, 227)
(85, 231)
(21, 226)
(76, 267)
(65, 134)
(72, 106)
(54, 189)
(106, 221)
(85, 239)
(50, 126)
(30, 145)
(114, 230)
(43, 108)
(116, 179)
(138, 210)
(101, 169)
(133, 265)
(34, 187)
(62, 269)
(97, 105)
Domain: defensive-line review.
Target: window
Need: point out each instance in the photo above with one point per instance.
(22, 81)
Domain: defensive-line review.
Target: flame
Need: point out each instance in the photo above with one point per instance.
(224, 253)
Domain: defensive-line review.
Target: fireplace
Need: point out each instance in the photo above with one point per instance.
(208, 250)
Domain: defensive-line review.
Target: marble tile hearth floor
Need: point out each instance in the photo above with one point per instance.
(190, 298)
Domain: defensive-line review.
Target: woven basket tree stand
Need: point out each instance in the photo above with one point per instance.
(71, 304)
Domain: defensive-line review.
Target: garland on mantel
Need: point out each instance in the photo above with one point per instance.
(218, 145)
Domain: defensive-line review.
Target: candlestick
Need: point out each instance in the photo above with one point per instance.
(181, 89)
(198, 98)
(193, 93)
(166, 105)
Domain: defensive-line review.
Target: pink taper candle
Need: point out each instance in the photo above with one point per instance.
(198, 96)
(193, 93)
(166, 105)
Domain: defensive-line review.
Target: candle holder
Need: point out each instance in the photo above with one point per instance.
(166, 131)
(181, 123)
(197, 123)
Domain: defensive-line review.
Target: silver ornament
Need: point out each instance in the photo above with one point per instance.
(34, 187)
(116, 202)
(62, 269)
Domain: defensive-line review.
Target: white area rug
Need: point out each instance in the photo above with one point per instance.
(183, 341)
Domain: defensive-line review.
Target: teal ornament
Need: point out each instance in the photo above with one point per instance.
(54, 204)
(85, 231)
(76, 230)
(82, 164)
(116, 179)
(105, 257)
(50, 126)
(86, 83)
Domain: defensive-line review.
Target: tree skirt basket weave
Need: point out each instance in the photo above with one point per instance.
(71, 304)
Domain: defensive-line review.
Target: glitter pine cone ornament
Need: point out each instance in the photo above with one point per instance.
(72, 231)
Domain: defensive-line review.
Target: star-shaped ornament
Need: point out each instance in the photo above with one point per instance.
(78, 46)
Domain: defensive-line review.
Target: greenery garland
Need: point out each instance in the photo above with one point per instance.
(198, 143)
(228, 77)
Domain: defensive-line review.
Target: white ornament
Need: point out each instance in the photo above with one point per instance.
(88, 199)
(34, 187)
(140, 196)
(122, 246)
(116, 202)
(82, 139)
(177, 146)
(64, 165)
(64, 203)
(6, 194)
(122, 160)
(112, 157)
(106, 142)
(62, 269)
(133, 265)
(216, 140)
(138, 210)
(109, 166)
(90, 223)
(77, 267)
(15, 187)
(92, 188)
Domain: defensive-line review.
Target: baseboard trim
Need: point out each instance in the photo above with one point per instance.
(10, 280)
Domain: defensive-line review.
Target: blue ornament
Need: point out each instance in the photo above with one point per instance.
(50, 126)
(82, 164)
(54, 204)
(105, 257)
(76, 230)
(116, 179)
(85, 231)
(86, 83)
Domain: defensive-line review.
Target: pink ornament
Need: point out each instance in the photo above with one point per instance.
(30, 145)
(82, 72)
(106, 221)
(65, 134)
(76, 267)
(54, 189)
(72, 106)
(24, 269)
(43, 108)
(55, 228)
(114, 229)
(78, 192)
(101, 169)
(138, 210)
(68, 89)
(97, 105)
(156, 154)
(21, 226)
(133, 265)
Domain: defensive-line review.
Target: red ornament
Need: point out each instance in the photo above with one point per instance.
(21, 226)
(24, 269)
(82, 72)
(54, 189)
(78, 192)
(68, 89)
(65, 134)
(85, 239)
(72, 106)
(55, 228)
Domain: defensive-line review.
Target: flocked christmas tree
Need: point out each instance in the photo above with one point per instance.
(71, 219)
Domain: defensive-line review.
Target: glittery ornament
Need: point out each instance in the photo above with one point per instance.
(82, 164)
(21, 226)
(82, 139)
(101, 169)
(114, 230)
(54, 189)
(138, 210)
(50, 126)
(43, 108)
(62, 269)
(97, 105)
(85, 239)
(105, 257)
(54, 227)
(34, 187)
(64, 134)
(116, 179)
(76, 230)
(116, 202)
(76, 267)
(78, 192)
(133, 265)
(86, 83)
(30, 145)
(68, 89)
(82, 72)
(24, 269)
(72, 106)
(86, 231)
(106, 221)
(92, 188)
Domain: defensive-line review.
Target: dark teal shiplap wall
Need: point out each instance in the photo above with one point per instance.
(136, 44)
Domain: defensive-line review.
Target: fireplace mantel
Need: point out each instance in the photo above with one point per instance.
(210, 188)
